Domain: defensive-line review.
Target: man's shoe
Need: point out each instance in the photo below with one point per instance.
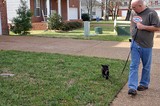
(142, 88)
(132, 92)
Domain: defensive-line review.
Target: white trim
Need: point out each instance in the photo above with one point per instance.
(59, 7)
(80, 11)
(28, 1)
(68, 10)
(0, 25)
(48, 8)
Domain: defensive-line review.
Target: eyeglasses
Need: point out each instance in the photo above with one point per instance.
(134, 7)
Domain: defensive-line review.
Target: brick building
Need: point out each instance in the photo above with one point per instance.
(3, 18)
(41, 9)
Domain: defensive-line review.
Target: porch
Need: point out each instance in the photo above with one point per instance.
(67, 9)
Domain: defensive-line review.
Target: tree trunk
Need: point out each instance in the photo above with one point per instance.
(128, 15)
(106, 14)
(129, 11)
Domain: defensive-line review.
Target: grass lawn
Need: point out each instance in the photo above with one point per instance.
(44, 79)
(107, 28)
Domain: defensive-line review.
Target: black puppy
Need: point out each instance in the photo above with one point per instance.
(105, 71)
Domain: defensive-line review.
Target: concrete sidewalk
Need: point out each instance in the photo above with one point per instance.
(107, 49)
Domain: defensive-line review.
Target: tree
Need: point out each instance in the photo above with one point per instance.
(129, 11)
(89, 5)
(22, 23)
(113, 8)
(55, 22)
(110, 7)
(106, 12)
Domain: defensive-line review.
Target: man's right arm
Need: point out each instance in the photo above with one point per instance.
(140, 26)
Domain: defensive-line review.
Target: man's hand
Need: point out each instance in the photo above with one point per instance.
(140, 26)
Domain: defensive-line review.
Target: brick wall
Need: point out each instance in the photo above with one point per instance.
(3, 11)
(54, 6)
(64, 9)
(39, 26)
(35, 18)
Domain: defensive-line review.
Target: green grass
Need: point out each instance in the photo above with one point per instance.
(102, 22)
(107, 27)
(44, 79)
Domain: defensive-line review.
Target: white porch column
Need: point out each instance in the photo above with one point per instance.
(59, 7)
(68, 10)
(48, 8)
(80, 9)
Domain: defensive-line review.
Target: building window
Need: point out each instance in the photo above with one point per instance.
(37, 8)
(125, 3)
(93, 13)
(156, 2)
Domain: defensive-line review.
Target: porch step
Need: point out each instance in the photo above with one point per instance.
(39, 26)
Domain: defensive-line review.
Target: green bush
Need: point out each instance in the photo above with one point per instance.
(55, 22)
(70, 25)
(65, 27)
(85, 17)
(22, 23)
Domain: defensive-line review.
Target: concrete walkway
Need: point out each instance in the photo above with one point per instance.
(107, 49)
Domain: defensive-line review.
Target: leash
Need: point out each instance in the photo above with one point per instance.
(126, 62)
(130, 40)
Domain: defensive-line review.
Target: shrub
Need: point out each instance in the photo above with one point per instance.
(70, 25)
(22, 23)
(65, 27)
(85, 17)
(55, 22)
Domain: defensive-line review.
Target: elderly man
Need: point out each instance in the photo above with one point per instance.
(144, 22)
